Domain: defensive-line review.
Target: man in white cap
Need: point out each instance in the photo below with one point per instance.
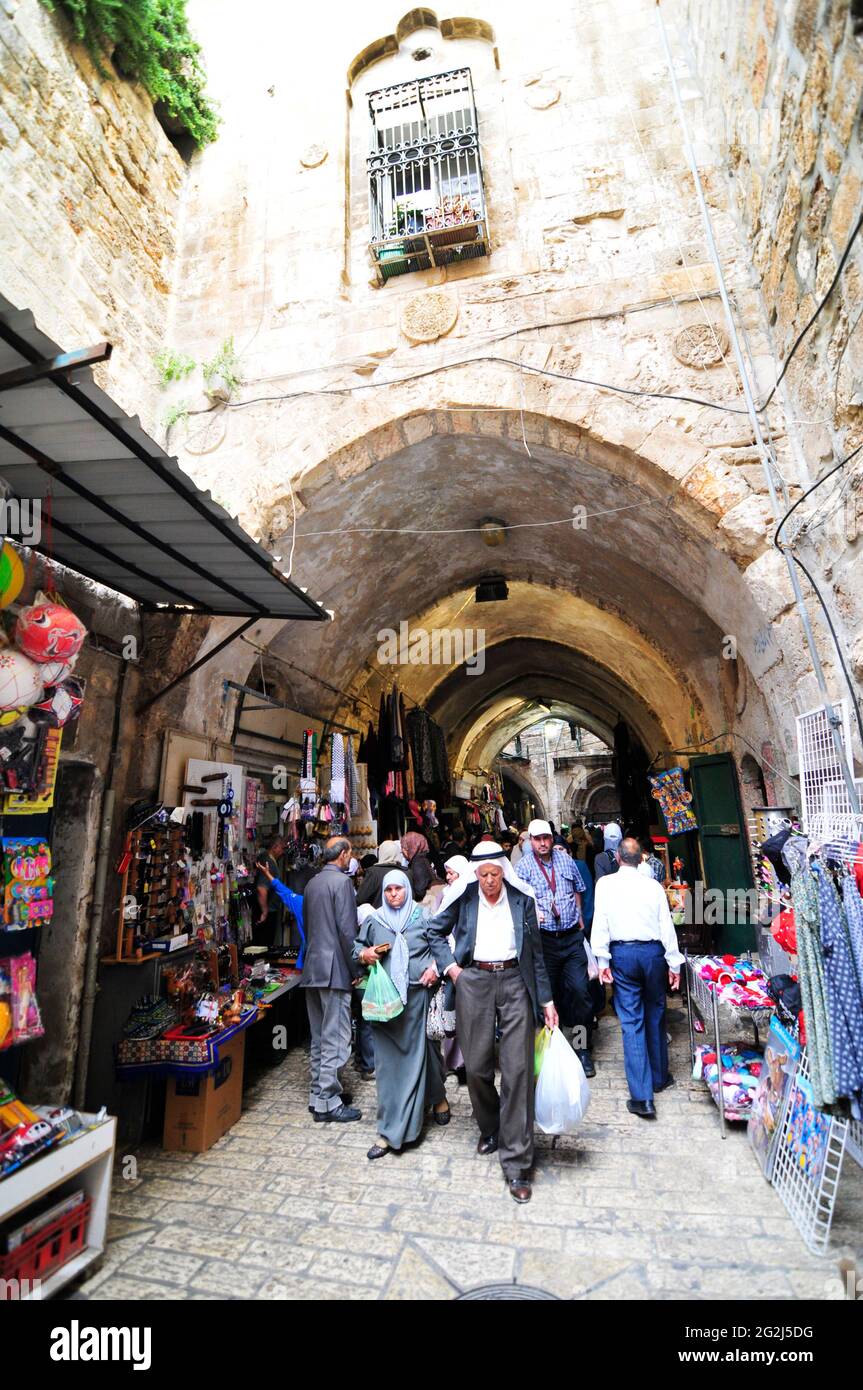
(496, 979)
(558, 885)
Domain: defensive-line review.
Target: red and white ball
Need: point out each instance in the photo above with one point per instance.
(49, 632)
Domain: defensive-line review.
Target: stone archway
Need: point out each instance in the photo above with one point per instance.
(628, 612)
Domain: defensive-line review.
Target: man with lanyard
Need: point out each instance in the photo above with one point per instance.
(558, 885)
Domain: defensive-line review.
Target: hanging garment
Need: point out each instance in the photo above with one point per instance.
(843, 993)
(338, 795)
(352, 789)
(419, 733)
(810, 964)
(854, 917)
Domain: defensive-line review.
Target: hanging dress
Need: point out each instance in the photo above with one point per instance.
(843, 994)
(810, 963)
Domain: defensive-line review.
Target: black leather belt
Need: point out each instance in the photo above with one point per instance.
(495, 964)
(568, 931)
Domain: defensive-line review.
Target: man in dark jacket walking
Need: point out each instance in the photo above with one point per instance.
(330, 913)
(496, 975)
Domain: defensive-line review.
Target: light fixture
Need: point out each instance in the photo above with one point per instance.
(492, 589)
(492, 530)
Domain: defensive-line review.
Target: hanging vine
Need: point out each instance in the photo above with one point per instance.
(149, 42)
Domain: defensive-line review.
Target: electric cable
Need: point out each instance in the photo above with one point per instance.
(777, 539)
(833, 633)
(802, 334)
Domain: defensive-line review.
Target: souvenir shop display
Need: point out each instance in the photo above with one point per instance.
(730, 996)
(781, 1055)
(406, 766)
(153, 878)
(674, 800)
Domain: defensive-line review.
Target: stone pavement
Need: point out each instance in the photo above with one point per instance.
(282, 1208)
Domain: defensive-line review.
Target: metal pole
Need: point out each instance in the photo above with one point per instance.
(832, 717)
(720, 1096)
(88, 1002)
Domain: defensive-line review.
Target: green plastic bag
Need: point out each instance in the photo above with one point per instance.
(543, 1038)
(381, 1000)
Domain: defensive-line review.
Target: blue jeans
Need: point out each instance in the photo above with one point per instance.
(640, 976)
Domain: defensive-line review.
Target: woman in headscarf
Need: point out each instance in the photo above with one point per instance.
(389, 857)
(606, 863)
(415, 849)
(408, 1068)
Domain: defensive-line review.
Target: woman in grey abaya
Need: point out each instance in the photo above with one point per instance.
(408, 1068)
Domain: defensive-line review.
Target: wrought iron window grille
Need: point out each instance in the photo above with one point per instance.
(426, 192)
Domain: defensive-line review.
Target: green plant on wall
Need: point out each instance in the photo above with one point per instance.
(149, 41)
(222, 372)
(172, 366)
(174, 414)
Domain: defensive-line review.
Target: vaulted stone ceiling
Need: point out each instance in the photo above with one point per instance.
(623, 616)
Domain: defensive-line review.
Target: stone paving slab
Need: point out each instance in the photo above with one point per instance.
(283, 1209)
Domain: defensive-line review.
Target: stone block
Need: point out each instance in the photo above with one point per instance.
(846, 208)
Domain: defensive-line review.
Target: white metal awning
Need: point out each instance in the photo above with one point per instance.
(115, 506)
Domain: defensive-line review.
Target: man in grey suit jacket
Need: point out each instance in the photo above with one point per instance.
(330, 919)
(496, 977)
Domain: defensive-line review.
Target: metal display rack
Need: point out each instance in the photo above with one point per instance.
(709, 1007)
(809, 1200)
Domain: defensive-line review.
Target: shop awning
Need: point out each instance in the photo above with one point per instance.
(115, 506)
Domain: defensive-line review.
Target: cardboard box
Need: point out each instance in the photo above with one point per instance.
(200, 1109)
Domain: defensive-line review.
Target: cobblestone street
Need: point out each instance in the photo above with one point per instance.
(283, 1209)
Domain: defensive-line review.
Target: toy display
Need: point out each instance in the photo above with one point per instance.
(805, 1133)
(29, 889)
(674, 801)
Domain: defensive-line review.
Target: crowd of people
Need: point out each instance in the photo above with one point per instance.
(495, 937)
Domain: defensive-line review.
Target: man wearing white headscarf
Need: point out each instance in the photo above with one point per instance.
(496, 977)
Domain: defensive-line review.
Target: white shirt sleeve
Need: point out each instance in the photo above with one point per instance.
(599, 932)
(667, 934)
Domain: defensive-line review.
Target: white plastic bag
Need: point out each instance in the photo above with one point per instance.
(592, 962)
(562, 1092)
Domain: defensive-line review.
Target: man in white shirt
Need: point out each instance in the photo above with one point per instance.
(496, 976)
(635, 944)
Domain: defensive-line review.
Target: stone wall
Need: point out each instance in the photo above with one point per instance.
(90, 196)
(783, 85)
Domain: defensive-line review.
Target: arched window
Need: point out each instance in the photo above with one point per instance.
(413, 92)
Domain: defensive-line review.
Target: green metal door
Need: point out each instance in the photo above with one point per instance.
(724, 849)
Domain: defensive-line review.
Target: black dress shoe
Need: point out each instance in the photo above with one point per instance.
(442, 1117)
(669, 1081)
(520, 1189)
(644, 1108)
(378, 1151)
(586, 1061)
(342, 1116)
(488, 1146)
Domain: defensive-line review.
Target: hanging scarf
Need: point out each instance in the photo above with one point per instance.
(352, 798)
(396, 920)
(337, 770)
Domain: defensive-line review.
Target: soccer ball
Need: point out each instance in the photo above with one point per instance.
(49, 632)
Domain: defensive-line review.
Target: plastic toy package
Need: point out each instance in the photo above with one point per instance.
(29, 889)
(20, 1019)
